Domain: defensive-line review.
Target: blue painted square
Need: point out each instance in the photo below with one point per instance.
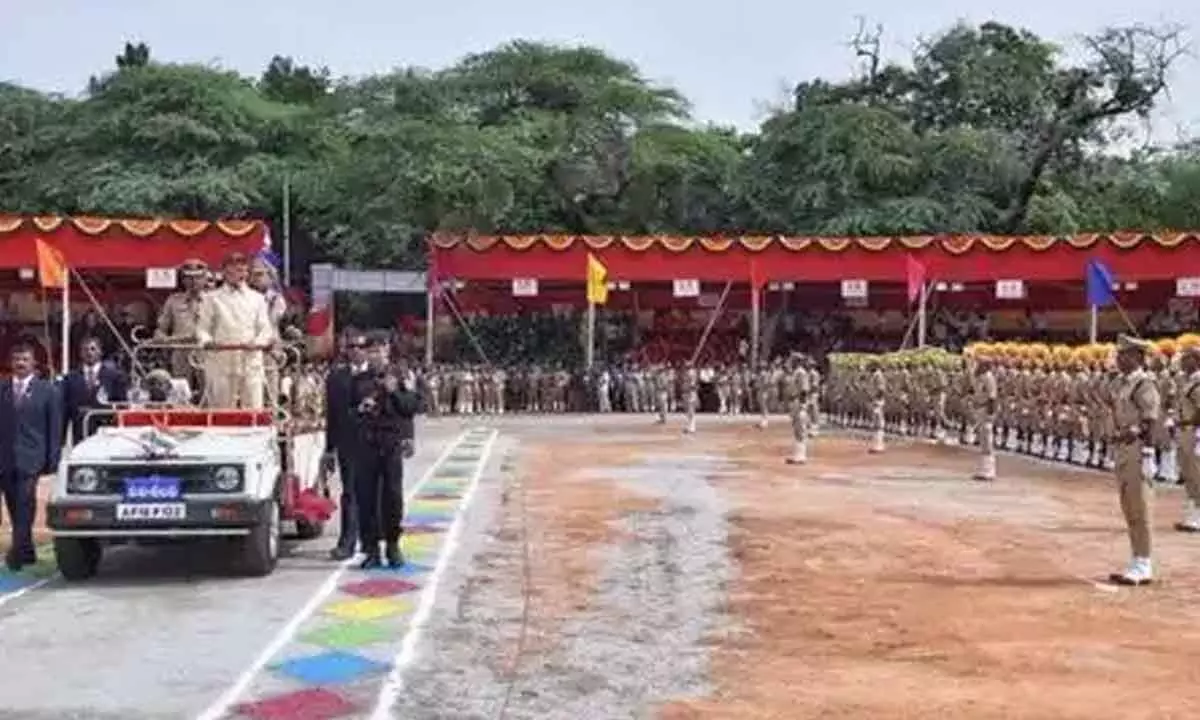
(13, 583)
(427, 518)
(331, 668)
(408, 570)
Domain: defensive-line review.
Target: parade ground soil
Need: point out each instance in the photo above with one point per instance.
(629, 571)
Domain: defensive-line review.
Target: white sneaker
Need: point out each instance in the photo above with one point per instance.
(987, 469)
(1139, 572)
(1191, 518)
(876, 443)
(799, 453)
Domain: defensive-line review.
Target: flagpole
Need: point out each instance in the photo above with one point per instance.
(1094, 324)
(921, 304)
(66, 325)
(590, 350)
(287, 231)
(432, 286)
(755, 322)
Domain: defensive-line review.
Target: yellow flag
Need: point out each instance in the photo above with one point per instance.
(597, 281)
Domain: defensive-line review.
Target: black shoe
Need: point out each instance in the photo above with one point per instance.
(395, 558)
(341, 553)
(371, 562)
(14, 562)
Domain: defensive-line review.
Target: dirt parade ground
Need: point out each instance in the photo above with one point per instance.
(579, 567)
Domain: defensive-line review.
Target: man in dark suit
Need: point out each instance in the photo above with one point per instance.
(386, 408)
(343, 438)
(30, 442)
(89, 386)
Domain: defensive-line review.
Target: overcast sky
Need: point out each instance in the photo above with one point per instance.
(730, 58)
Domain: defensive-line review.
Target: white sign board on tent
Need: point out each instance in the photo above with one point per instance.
(854, 289)
(524, 287)
(1010, 289)
(686, 288)
(160, 278)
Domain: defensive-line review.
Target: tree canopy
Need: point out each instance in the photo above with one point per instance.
(984, 128)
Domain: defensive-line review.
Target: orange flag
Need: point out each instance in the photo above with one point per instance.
(52, 268)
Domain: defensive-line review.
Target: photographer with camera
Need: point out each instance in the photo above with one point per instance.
(386, 408)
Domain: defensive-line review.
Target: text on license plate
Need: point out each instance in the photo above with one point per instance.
(151, 511)
(152, 487)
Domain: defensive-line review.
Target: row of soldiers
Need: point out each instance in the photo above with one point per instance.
(737, 389)
(1132, 407)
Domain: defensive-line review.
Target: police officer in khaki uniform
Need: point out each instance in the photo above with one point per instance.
(1136, 408)
(985, 397)
(799, 390)
(178, 319)
(1188, 404)
(878, 393)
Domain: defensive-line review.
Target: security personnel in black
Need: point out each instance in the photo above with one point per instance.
(342, 437)
(386, 409)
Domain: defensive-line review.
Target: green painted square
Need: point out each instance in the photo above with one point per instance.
(351, 634)
(443, 489)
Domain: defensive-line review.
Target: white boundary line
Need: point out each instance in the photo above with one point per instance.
(392, 686)
(14, 594)
(223, 704)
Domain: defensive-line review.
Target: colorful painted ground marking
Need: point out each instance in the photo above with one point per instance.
(14, 584)
(300, 705)
(342, 654)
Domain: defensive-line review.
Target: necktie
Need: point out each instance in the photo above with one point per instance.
(91, 378)
(19, 391)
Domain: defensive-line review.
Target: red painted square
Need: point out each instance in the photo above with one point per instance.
(379, 587)
(302, 705)
(423, 529)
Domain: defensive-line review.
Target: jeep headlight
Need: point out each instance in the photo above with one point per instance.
(227, 478)
(84, 480)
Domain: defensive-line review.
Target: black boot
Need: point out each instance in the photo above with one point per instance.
(395, 558)
(372, 560)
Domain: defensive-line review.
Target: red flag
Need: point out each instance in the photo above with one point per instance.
(914, 277)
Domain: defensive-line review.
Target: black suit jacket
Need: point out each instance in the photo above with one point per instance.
(31, 430)
(78, 398)
(341, 417)
(397, 410)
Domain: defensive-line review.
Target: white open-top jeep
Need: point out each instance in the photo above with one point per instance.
(168, 473)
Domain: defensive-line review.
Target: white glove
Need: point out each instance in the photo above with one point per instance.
(1149, 467)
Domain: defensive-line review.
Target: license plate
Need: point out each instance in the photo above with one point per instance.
(152, 488)
(151, 511)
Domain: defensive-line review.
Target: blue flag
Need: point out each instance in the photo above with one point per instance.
(271, 258)
(1100, 281)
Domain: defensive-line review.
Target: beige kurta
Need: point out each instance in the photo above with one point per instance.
(234, 316)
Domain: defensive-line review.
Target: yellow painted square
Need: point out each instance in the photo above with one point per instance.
(368, 608)
(432, 507)
(424, 541)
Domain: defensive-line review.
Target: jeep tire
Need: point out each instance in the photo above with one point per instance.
(260, 549)
(77, 558)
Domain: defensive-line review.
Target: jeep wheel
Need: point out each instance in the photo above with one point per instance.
(77, 558)
(260, 549)
(309, 530)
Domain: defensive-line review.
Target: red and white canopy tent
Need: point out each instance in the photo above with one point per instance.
(110, 246)
(118, 255)
(1048, 271)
